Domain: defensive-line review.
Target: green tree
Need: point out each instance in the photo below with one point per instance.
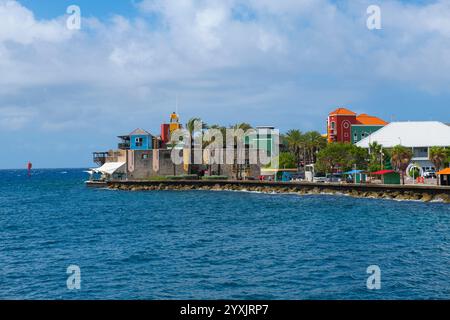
(239, 168)
(313, 143)
(377, 156)
(400, 159)
(342, 156)
(190, 127)
(287, 161)
(438, 155)
(223, 131)
(447, 162)
(295, 142)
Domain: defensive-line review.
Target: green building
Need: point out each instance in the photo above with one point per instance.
(263, 139)
(361, 131)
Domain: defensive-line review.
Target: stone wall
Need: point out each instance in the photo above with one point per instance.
(141, 165)
(145, 168)
(417, 193)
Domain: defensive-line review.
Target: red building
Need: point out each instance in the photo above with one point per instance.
(339, 125)
(344, 125)
(165, 132)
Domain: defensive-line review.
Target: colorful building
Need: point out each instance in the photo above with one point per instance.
(388, 176)
(168, 128)
(365, 126)
(339, 125)
(262, 139)
(419, 136)
(141, 140)
(140, 155)
(344, 125)
(444, 177)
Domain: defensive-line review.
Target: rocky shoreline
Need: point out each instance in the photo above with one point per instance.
(395, 194)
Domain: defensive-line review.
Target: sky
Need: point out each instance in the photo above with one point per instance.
(287, 63)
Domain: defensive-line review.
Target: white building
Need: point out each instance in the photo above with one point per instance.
(420, 136)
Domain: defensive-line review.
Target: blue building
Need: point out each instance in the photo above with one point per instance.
(141, 140)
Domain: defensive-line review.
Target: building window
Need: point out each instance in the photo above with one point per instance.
(333, 125)
(420, 152)
(355, 136)
(138, 142)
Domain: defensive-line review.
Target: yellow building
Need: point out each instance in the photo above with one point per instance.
(174, 122)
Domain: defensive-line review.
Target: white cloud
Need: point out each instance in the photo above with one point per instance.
(15, 118)
(130, 69)
(19, 25)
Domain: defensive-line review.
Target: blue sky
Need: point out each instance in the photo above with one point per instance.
(48, 9)
(65, 93)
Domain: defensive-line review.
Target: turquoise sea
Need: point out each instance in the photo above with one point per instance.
(213, 245)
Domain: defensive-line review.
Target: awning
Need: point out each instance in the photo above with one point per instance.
(109, 167)
(382, 172)
(445, 171)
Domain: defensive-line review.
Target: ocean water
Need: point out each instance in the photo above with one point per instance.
(213, 245)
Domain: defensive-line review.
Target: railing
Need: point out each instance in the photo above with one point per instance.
(100, 157)
(124, 146)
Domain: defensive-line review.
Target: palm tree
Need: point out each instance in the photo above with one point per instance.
(243, 125)
(295, 141)
(400, 159)
(314, 142)
(438, 155)
(190, 126)
(172, 148)
(376, 156)
(223, 131)
(238, 168)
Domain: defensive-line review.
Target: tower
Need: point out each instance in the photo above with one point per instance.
(339, 125)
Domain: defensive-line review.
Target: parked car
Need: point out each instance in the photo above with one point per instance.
(333, 178)
(298, 176)
(320, 178)
(429, 174)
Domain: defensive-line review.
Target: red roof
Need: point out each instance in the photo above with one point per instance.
(382, 172)
(342, 112)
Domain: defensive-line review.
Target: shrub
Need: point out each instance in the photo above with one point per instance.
(183, 177)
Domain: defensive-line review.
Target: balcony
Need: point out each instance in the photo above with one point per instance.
(99, 158)
(420, 153)
(124, 146)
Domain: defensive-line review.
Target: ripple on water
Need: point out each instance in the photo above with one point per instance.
(214, 245)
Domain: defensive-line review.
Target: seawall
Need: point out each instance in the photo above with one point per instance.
(398, 192)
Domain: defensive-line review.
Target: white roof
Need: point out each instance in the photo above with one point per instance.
(410, 134)
(109, 167)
